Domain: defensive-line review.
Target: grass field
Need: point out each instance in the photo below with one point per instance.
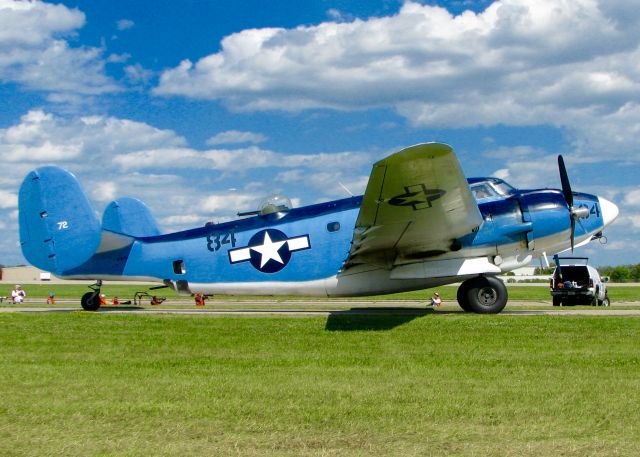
(464, 385)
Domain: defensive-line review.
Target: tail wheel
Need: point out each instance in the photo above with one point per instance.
(90, 301)
(484, 295)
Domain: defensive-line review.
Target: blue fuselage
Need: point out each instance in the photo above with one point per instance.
(304, 249)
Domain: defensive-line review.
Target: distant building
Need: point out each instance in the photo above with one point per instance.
(525, 271)
(32, 275)
(19, 275)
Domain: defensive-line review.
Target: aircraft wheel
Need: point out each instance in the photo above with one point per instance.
(557, 301)
(483, 295)
(462, 297)
(90, 301)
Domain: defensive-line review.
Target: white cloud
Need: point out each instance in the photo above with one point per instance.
(8, 199)
(124, 24)
(632, 198)
(33, 54)
(183, 220)
(236, 137)
(237, 160)
(104, 191)
(226, 203)
(33, 23)
(137, 74)
(183, 186)
(41, 137)
(520, 62)
(635, 220)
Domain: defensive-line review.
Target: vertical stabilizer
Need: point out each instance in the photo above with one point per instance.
(58, 227)
(130, 216)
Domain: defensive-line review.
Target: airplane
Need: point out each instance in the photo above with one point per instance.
(420, 224)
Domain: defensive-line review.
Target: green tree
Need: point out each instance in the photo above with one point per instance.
(621, 273)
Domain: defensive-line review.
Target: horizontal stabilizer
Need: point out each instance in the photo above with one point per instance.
(58, 227)
(131, 217)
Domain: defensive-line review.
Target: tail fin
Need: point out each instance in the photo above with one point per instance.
(59, 229)
(129, 216)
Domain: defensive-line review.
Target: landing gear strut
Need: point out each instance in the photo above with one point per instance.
(91, 300)
(483, 294)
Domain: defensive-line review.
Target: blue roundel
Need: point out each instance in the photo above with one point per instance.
(269, 251)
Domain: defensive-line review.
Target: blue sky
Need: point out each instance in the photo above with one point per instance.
(203, 108)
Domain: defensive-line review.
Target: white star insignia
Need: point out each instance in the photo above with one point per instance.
(269, 250)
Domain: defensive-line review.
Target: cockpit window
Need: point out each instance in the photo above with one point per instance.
(483, 190)
(491, 188)
(502, 187)
(275, 204)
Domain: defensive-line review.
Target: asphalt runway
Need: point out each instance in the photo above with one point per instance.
(302, 308)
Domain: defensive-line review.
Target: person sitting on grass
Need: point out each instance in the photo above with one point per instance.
(436, 301)
(18, 294)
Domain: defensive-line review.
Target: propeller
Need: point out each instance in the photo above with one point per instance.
(576, 213)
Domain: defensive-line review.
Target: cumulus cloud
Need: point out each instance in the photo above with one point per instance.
(104, 191)
(236, 160)
(34, 55)
(8, 199)
(632, 198)
(230, 202)
(519, 62)
(183, 186)
(41, 137)
(137, 74)
(236, 137)
(124, 24)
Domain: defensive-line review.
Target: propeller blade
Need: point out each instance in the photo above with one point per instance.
(566, 186)
(573, 233)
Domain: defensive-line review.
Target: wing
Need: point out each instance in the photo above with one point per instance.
(417, 204)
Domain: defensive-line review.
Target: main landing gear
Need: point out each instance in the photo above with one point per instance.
(91, 300)
(483, 294)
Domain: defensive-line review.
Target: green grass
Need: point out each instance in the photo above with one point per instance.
(461, 385)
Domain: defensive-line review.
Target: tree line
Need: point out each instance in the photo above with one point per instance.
(619, 273)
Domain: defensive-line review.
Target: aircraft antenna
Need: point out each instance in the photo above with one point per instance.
(345, 188)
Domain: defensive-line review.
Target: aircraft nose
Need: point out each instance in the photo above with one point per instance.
(609, 210)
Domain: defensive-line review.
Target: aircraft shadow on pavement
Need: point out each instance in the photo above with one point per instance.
(373, 319)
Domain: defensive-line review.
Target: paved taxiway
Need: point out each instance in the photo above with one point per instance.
(301, 308)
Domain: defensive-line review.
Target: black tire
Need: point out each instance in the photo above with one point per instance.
(90, 301)
(483, 295)
(462, 296)
(557, 301)
(605, 301)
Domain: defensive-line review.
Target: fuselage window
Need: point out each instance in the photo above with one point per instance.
(333, 226)
(178, 267)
